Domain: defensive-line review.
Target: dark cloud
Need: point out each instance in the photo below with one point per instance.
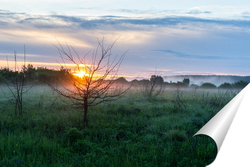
(246, 13)
(186, 55)
(7, 12)
(3, 23)
(196, 12)
(114, 22)
(39, 22)
(29, 20)
(123, 22)
(205, 57)
(110, 16)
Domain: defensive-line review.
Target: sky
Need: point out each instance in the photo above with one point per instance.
(163, 37)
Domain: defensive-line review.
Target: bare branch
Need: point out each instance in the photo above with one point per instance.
(94, 87)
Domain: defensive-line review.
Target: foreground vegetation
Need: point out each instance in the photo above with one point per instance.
(133, 131)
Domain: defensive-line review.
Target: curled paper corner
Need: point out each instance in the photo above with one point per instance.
(218, 127)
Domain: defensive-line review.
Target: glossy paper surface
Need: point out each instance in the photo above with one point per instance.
(230, 130)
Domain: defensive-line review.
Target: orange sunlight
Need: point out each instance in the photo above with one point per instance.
(80, 73)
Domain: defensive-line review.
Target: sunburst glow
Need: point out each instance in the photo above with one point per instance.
(80, 73)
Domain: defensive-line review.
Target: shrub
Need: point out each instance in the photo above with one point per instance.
(1, 78)
(208, 85)
(225, 86)
(73, 135)
(240, 84)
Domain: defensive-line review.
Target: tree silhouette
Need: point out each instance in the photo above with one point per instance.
(186, 81)
(97, 85)
(153, 87)
(17, 84)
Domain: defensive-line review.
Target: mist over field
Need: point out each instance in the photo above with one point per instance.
(200, 79)
(162, 127)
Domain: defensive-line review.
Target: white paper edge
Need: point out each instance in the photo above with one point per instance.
(219, 125)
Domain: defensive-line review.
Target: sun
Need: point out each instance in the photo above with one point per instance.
(80, 73)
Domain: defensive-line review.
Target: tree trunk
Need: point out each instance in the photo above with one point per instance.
(85, 109)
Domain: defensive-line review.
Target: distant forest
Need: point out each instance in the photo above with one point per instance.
(42, 75)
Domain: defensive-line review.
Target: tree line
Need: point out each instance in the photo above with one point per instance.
(41, 75)
(32, 75)
(158, 80)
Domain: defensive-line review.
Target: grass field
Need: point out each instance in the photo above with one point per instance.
(133, 131)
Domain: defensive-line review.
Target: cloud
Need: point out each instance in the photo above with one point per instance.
(8, 12)
(196, 12)
(186, 55)
(3, 23)
(199, 41)
(119, 22)
(246, 13)
(136, 11)
(113, 22)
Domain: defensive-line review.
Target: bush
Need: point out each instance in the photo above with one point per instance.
(1, 78)
(208, 85)
(240, 84)
(73, 135)
(225, 86)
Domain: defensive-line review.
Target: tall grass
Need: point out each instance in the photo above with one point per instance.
(129, 132)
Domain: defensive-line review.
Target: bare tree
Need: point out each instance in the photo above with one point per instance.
(17, 85)
(95, 83)
(179, 104)
(153, 87)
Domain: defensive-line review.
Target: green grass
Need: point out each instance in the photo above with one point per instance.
(132, 131)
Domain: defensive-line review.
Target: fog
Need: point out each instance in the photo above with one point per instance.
(199, 79)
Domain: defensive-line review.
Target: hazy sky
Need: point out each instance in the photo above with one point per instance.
(175, 37)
